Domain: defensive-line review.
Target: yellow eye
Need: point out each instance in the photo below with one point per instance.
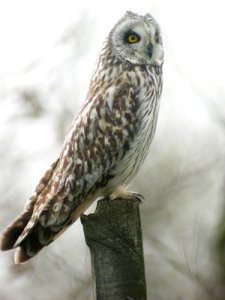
(133, 38)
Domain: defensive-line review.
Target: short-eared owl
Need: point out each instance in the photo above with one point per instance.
(107, 142)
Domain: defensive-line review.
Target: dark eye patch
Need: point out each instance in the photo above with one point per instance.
(157, 37)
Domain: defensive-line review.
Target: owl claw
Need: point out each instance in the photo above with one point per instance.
(135, 197)
(139, 198)
(122, 194)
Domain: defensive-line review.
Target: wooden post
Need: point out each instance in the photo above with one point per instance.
(113, 234)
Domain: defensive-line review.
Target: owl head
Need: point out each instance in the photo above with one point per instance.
(137, 39)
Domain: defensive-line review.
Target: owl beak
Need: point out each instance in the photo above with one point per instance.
(150, 49)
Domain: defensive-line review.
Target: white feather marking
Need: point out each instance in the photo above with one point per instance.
(110, 97)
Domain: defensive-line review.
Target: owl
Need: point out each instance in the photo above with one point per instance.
(107, 142)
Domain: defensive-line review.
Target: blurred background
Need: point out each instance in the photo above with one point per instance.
(47, 53)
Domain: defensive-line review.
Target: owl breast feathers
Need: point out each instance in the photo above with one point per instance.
(107, 142)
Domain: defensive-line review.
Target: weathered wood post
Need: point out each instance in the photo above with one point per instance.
(113, 234)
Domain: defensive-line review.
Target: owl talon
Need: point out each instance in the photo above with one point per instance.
(122, 194)
(139, 198)
(136, 197)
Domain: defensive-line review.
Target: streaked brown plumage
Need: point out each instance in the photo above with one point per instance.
(108, 140)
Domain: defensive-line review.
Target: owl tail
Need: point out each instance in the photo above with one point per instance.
(14, 230)
(38, 238)
(27, 247)
(11, 235)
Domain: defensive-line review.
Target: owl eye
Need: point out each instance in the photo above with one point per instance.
(132, 38)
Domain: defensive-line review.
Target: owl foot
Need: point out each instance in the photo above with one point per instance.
(120, 193)
(134, 197)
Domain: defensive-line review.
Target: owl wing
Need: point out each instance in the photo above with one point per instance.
(99, 137)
